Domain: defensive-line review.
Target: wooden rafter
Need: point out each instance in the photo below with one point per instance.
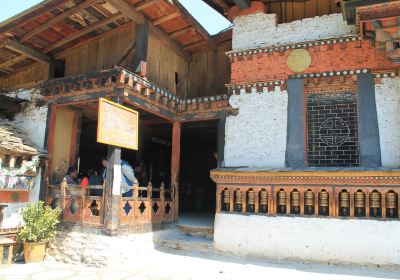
(29, 15)
(56, 19)
(82, 32)
(10, 62)
(137, 17)
(182, 31)
(128, 10)
(195, 45)
(27, 51)
(147, 3)
(165, 18)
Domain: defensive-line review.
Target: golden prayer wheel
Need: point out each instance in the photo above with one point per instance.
(391, 204)
(263, 197)
(391, 200)
(344, 199)
(251, 197)
(238, 200)
(323, 198)
(281, 198)
(375, 200)
(281, 201)
(295, 198)
(227, 196)
(359, 199)
(309, 198)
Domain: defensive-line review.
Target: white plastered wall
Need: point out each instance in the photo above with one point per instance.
(257, 135)
(259, 30)
(32, 121)
(387, 95)
(340, 241)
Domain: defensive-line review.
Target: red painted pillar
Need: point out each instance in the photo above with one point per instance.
(175, 162)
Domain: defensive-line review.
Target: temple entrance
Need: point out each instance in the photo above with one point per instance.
(198, 156)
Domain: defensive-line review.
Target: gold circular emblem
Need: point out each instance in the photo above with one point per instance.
(299, 60)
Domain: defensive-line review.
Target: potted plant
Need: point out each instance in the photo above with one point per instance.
(39, 226)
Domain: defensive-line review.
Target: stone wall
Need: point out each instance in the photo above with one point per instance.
(257, 135)
(259, 29)
(31, 120)
(339, 241)
(388, 107)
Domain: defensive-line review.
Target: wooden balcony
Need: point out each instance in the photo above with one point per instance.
(344, 193)
(148, 208)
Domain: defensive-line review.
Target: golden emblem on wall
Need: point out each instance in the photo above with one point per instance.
(299, 60)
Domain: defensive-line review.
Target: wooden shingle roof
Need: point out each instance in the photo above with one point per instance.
(15, 142)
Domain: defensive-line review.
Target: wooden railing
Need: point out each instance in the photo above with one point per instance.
(331, 196)
(147, 206)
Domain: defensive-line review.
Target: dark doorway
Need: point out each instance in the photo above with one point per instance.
(198, 148)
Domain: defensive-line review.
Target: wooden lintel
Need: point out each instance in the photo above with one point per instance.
(148, 107)
(82, 32)
(128, 10)
(166, 18)
(147, 3)
(27, 51)
(242, 4)
(181, 31)
(56, 19)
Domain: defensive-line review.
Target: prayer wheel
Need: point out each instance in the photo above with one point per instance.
(251, 200)
(238, 200)
(263, 201)
(295, 202)
(309, 201)
(281, 201)
(323, 199)
(359, 203)
(391, 204)
(226, 200)
(375, 204)
(344, 203)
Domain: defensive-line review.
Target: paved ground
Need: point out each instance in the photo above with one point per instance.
(174, 265)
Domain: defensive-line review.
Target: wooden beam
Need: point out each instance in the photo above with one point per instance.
(142, 40)
(29, 15)
(137, 17)
(147, 3)
(56, 19)
(27, 51)
(195, 44)
(82, 32)
(165, 18)
(128, 10)
(181, 31)
(10, 62)
(242, 4)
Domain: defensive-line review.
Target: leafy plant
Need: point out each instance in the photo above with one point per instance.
(40, 223)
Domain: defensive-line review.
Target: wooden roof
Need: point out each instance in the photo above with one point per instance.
(44, 31)
(13, 141)
(286, 10)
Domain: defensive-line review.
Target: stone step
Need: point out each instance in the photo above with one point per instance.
(180, 241)
(196, 231)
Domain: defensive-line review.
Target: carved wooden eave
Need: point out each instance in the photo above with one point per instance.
(136, 91)
(380, 24)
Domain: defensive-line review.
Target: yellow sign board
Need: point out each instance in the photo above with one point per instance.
(117, 125)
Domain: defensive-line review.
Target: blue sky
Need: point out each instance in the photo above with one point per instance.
(210, 19)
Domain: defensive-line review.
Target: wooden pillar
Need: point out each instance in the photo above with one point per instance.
(142, 39)
(112, 190)
(175, 162)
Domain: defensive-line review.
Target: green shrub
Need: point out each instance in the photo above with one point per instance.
(40, 223)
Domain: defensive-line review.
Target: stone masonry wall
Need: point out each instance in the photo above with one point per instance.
(388, 108)
(257, 135)
(260, 29)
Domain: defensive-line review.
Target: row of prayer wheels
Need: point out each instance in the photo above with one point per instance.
(310, 203)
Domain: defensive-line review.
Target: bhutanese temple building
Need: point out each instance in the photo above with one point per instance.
(284, 128)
